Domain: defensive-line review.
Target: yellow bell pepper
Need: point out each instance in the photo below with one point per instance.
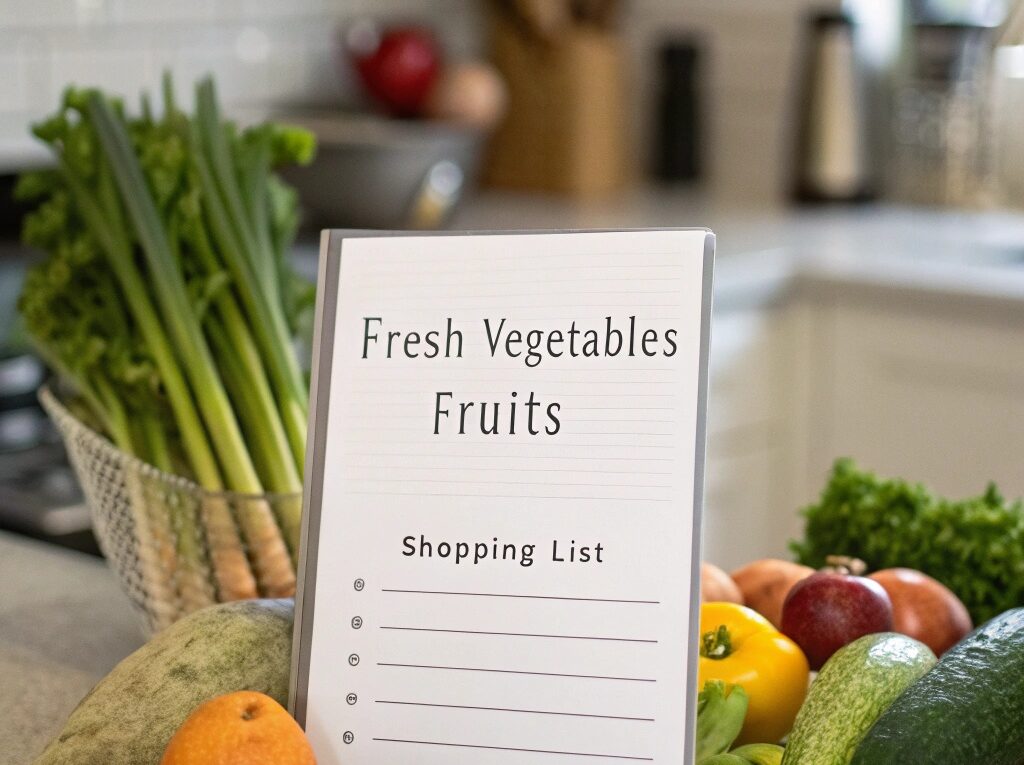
(741, 647)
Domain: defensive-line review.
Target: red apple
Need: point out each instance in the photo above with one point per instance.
(398, 67)
(826, 611)
(924, 608)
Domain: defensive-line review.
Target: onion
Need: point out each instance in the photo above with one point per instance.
(766, 583)
(924, 609)
(717, 587)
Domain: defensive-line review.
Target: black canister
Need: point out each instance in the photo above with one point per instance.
(678, 128)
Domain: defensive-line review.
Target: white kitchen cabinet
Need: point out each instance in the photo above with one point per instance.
(932, 394)
(908, 387)
(752, 436)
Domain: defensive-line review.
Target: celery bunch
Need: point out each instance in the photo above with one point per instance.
(167, 302)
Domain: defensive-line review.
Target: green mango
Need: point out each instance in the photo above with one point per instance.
(131, 714)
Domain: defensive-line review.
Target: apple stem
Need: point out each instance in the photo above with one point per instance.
(845, 564)
(716, 644)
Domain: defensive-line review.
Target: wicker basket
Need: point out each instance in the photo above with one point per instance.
(174, 546)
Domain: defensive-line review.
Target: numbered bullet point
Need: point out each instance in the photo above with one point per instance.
(353, 659)
(359, 584)
(357, 622)
(351, 699)
(348, 737)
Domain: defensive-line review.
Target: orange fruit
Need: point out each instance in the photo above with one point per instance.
(241, 728)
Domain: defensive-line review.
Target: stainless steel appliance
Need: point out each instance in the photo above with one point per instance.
(831, 162)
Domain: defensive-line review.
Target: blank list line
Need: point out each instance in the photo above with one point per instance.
(522, 470)
(515, 749)
(509, 709)
(461, 482)
(521, 634)
(463, 455)
(511, 595)
(505, 496)
(518, 672)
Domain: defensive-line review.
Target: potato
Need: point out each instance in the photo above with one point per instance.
(765, 584)
(716, 586)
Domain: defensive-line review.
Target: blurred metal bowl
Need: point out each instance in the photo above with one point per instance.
(373, 172)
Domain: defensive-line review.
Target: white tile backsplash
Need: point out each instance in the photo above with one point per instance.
(750, 58)
(271, 53)
(265, 53)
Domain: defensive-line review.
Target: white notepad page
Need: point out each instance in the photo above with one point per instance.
(503, 598)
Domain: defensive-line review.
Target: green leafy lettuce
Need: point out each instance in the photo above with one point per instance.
(974, 546)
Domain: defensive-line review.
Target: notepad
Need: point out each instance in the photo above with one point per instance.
(500, 551)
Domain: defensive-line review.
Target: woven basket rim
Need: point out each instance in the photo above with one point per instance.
(67, 423)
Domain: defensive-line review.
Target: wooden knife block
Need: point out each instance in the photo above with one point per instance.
(564, 130)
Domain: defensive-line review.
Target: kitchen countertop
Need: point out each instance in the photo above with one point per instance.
(64, 624)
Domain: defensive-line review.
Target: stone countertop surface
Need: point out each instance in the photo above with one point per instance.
(64, 624)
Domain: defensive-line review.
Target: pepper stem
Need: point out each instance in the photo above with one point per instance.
(716, 644)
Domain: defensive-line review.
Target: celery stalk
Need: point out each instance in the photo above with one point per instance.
(171, 295)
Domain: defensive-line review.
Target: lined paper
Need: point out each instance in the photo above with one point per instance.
(507, 597)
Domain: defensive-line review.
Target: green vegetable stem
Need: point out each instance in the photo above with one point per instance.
(721, 710)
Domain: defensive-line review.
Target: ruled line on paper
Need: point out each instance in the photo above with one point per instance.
(521, 634)
(563, 439)
(505, 308)
(562, 442)
(580, 421)
(548, 255)
(507, 496)
(455, 315)
(515, 595)
(516, 749)
(518, 672)
(413, 386)
(424, 375)
(561, 294)
(620, 409)
(515, 456)
(532, 283)
(520, 269)
(447, 455)
(605, 420)
(580, 438)
(509, 709)
(417, 402)
(392, 479)
(618, 433)
(520, 470)
(475, 274)
(540, 391)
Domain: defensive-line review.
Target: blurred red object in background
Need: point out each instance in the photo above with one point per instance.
(398, 66)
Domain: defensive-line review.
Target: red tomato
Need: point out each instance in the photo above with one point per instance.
(400, 71)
